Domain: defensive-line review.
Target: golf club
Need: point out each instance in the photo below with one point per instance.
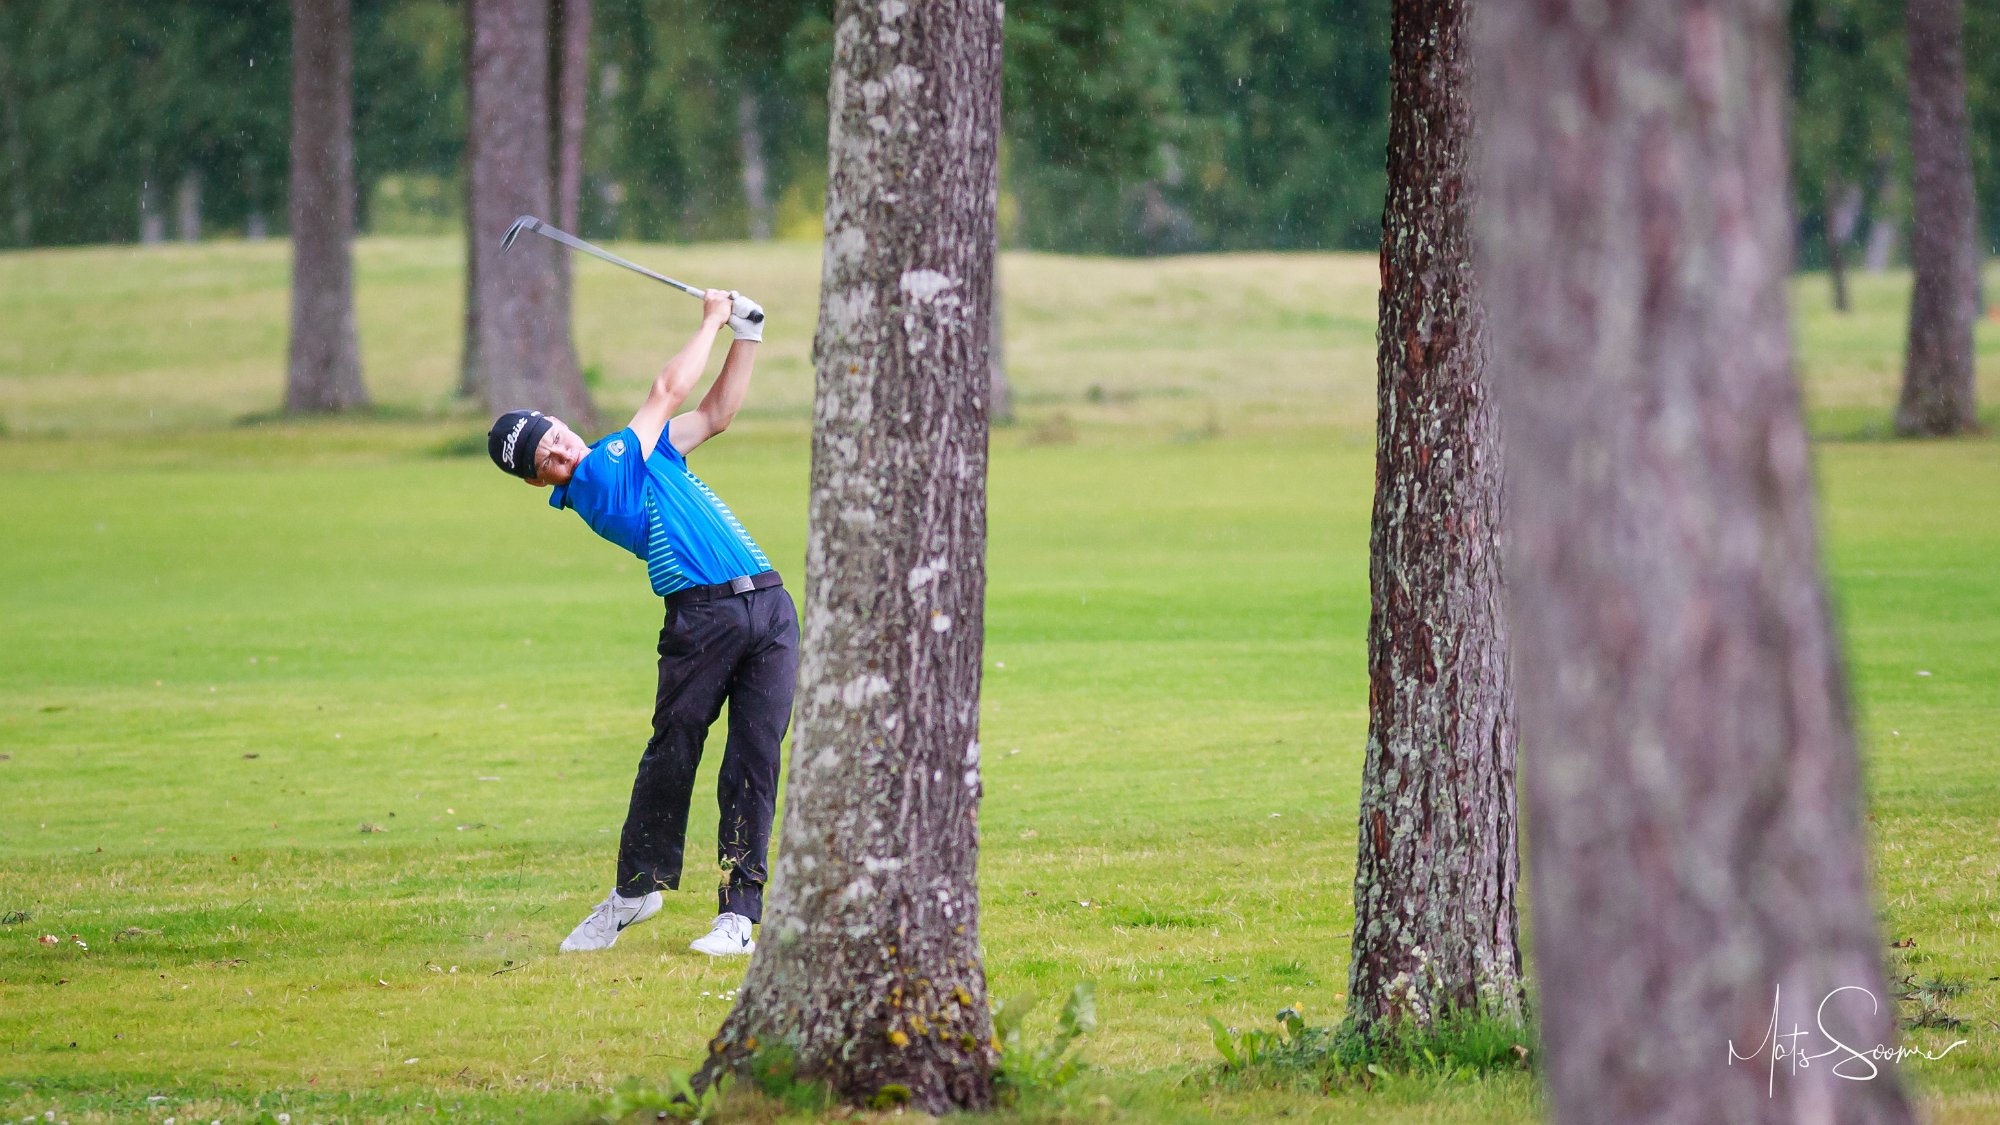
(529, 222)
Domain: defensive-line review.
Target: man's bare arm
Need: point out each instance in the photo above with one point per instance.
(681, 373)
(718, 407)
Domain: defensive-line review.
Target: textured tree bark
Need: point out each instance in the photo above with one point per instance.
(869, 969)
(1695, 842)
(525, 353)
(323, 372)
(1435, 922)
(1938, 392)
(750, 143)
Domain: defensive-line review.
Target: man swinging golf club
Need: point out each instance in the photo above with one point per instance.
(731, 630)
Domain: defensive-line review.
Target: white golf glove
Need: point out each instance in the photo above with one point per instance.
(742, 323)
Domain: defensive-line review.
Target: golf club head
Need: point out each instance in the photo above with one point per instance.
(513, 232)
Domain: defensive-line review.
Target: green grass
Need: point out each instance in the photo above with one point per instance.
(232, 645)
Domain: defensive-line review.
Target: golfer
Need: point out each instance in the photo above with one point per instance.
(731, 631)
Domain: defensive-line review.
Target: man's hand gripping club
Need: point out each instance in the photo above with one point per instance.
(678, 378)
(746, 317)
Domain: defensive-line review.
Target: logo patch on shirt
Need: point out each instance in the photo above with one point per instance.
(617, 447)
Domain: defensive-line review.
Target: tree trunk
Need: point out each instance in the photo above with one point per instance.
(524, 350)
(1938, 392)
(1000, 407)
(750, 139)
(1881, 248)
(255, 227)
(187, 207)
(1435, 922)
(20, 228)
(1695, 844)
(1880, 251)
(471, 373)
(1843, 214)
(869, 972)
(569, 77)
(152, 219)
(608, 190)
(324, 372)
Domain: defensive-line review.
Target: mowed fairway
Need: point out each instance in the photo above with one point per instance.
(231, 647)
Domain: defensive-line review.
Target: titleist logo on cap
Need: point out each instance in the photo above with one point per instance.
(514, 435)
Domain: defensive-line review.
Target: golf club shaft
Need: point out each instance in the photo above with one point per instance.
(576, 243)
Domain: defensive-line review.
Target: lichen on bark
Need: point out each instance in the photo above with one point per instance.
(1435, 916)
(868, 974)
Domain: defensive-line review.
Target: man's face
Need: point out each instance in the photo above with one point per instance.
(557, 454)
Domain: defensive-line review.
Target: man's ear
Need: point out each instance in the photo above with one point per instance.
(534, 483)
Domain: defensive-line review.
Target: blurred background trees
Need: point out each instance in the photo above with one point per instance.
(518, 346)
(1211, 124)
(1130, 127)
(1938, 385)
(324, 365)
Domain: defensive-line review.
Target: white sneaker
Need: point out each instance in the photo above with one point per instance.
(731, 936)
(600, 930)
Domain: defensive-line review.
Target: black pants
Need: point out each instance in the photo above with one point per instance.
(745, 648)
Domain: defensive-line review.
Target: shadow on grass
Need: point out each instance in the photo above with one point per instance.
(1854, 425)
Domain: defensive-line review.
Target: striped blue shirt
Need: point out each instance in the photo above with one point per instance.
(653, 507)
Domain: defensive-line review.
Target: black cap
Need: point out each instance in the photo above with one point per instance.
(513, 439)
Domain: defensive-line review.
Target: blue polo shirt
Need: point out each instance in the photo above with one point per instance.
(653, 507)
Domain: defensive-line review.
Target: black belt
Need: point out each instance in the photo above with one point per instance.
(743, 585)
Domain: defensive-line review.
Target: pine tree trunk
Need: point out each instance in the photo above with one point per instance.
(13, 153)
(187, 207)
(1938, 393)
(1880, 251)
(256, 227)
(569, 77)
(1692, 790)
(152, 219)
(750, 142)
(1879, 248)
(1000, 408)
(524, 349)
(1435, 921)
(869, 971)
(324, 369)
(1843, 214)
(607, 190)
(471, 373)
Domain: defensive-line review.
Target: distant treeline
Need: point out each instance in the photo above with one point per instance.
(1132, 127)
